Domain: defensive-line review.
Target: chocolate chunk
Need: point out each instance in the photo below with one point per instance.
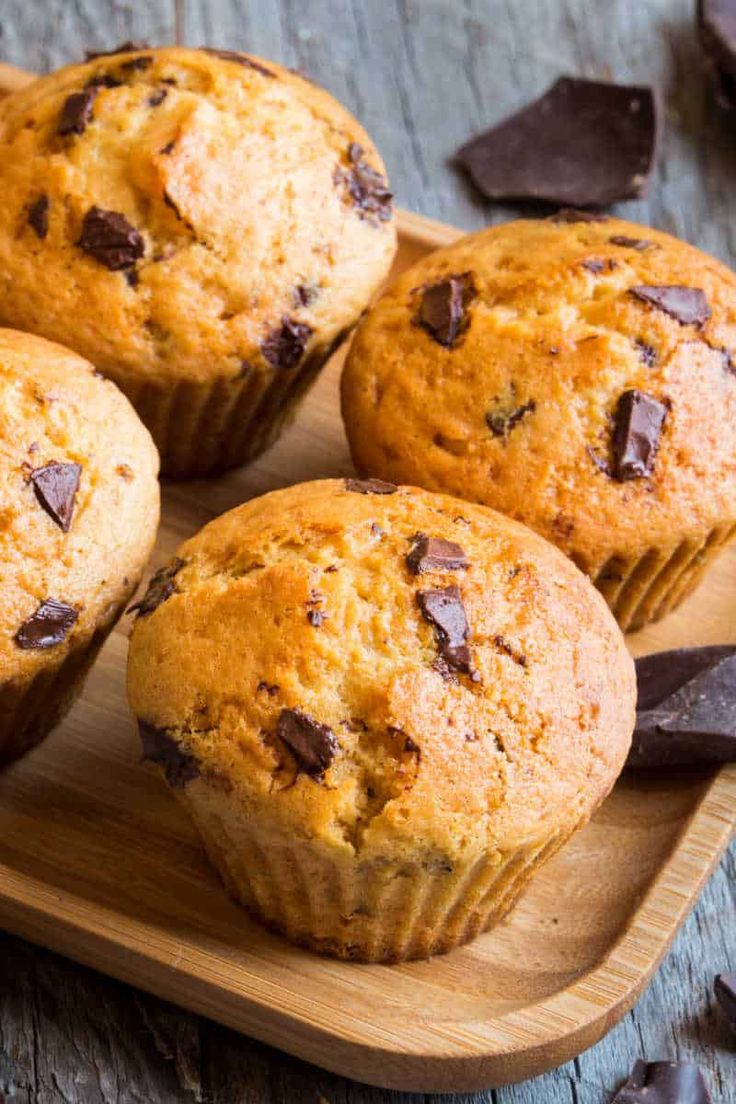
(663, 1083)
(686, 712)
(647, 353)
(717, 30)
(161, 586)
(312, 744)
(284, 346)
(370, 486)
(305, 294)
(110, 239)
(501, 422)
(160, 747)
(638, 425)
(363, 187)
(138, 64)
(444, 609)
(502, 645)
(586, 143)
(443, 308)
(38, 215)
(631, 243)
(686, 305)
(572, 214)
(596, 265)
(48, 626)
(239, 59)
(123, 48)
(316, 617)
(435, 554)
(725, 990)
(56, 486)
(156, 98)
(77, 112)
(103, 80)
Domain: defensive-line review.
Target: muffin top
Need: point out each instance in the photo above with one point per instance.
(185, 214)
(385, 669)
(578, 373)
(78, 502)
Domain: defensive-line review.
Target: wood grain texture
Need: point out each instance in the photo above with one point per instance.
(421, 76)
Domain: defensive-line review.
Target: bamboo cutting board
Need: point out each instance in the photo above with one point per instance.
(98, 862)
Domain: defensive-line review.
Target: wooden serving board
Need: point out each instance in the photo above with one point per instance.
(99, 863)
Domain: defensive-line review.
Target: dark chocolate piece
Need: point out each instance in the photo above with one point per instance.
(48, 626)
(103, 80)
(123, 48)
(638, 425)
(639, 244)
(573, 214)
(305, 294)
(110, 239)
(38, 215)
(160, 747)
(284, 346)
(501, 422)
(596, 265)
(725, 990)
(435, 554)
(647, 353)
(364, 188)
(663, 1083)
(312, 744)
(56, 486)
(444, 609)
(443, 308)
(240, 59)
(584, 143)
(686, 712)
(138, 64)
(316, 617)
(370, 486)
(687, 305)
(161, 586)
(717, 30)
(77, 112)
(156, 98)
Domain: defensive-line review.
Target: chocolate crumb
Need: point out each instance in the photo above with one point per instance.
(443, 608)
(687, 305)
(502, 645)
(411, 746)
(640, 244)
(572, 214)
(77, 112)
(596, 265)
(501, 422)
(284, 346)
(647, 353)
(157, 98)
(38, 216)
(138, 64)
(270, 688)
(600, 462)
(166, 150)
(305, 294)
(443, 309)
(443, 669)
(312, 744)
(123, 48)
(48, 626)
(370, 486)
(110, 239)
(161, 748)
(161, 587)
(364, 188)
(435, 554)
(56, 486)
(638, 423)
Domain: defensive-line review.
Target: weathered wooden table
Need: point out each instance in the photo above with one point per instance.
(422, 75)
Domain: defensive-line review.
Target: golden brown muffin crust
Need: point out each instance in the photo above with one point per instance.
(513, 400)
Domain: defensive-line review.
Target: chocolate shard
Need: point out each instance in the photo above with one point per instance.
(313, 745)
(160, 747)
(686, 712)
(444, 610)
(364, 188)
(110, 239)
(640, 244)
(48, 626)
(240, 59)
(638, 423)
(77, 111)
(502, 421)
(38, 215)
(435, 554)
(443, 308)
(725, 990)
(370, 486)
(284, 346)
(717, 31)
(663, 1083)
(56, 486)
(687, 305)
(584, 143)
(161, 586)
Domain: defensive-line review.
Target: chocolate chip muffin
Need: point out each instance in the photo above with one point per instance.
(578, 374)
(203, 226)
(383, 709)
(78, 515)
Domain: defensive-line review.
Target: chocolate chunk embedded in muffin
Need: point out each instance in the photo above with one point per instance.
(380, 787)
(203, 227)
(587, 388)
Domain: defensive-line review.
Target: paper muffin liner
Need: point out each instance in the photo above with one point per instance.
(30, 708)
(204, 428)
(640, 589)
(369, 911)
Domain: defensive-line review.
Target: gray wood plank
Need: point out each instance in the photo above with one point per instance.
(422, 75)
